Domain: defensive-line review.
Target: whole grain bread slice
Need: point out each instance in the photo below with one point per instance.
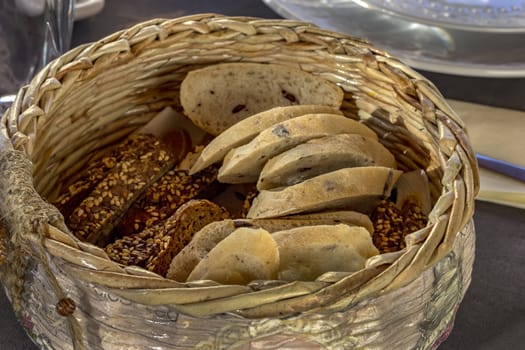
(179, 230)
(154, 247)
(220, 95)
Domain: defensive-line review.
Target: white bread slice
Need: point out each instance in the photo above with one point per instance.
(208, 237)
(307, 252)
(347, 217)
(244, 163)
(358, 188)
(245, 130)
(247, 254)
(323, 155)
(218, 96)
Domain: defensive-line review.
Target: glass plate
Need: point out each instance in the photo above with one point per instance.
(423, 44)
(479, 15)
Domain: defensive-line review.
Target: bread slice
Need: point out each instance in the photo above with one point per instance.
(307, 252)
(247, 254)
(210, 235)
(323, 155)
(202, 242)
(220, 95)
(245, 130)
(358, 188)
(347, 217)
(154, 247)
(95, 217)
(180, 228)
(243, 164)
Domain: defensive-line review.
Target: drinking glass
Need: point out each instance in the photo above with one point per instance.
(32, 32)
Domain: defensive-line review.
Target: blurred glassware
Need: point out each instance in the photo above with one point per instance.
(464, 37)
(32, 32)
(87, 8)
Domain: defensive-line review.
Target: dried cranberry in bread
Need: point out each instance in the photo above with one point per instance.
(218, 96)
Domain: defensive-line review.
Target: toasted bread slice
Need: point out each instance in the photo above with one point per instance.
(245, 130)
(307, 252)
(323, 155)
(220, 95)
(358, 188)
(244, 164)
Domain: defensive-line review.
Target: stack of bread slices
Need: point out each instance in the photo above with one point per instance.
(314, 176)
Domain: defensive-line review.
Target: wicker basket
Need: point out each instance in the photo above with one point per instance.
(69, 295)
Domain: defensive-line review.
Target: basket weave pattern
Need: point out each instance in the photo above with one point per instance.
(98, 93)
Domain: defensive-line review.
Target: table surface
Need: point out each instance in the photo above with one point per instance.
(492, 315)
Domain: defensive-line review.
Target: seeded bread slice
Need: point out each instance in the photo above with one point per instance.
(179, 230)
(162, 198)
(245, 130)
(244, 163)
(97, 214)
(323, 155)
(218, 96)
(154, 247)
(358, 188)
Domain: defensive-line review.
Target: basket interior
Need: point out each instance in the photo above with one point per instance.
(118, 92)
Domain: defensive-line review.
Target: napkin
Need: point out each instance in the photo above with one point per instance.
(498, 133)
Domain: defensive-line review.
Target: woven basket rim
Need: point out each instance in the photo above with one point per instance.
(451, 212)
